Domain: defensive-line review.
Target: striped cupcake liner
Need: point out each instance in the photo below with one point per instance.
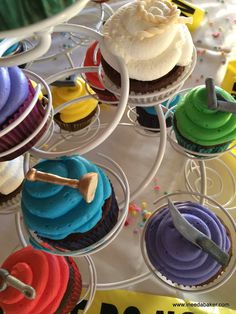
(73, 291)
(77, 125)
(198, 148)
(24, 129)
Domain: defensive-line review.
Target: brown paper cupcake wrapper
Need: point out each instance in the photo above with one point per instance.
(77, 125)
(73, 291)
(154, 97)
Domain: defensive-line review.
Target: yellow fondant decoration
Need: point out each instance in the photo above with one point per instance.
(78, 110)
(34, 84)
(229, 80)
(190, 10)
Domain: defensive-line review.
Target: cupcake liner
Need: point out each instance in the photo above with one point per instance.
(150, 121)
(198, 148)
(155, 97)
(23, 130)
(5, 198)
(11, 204)
(73, 291)
(77, 125)
(104, 95)
(78, 241)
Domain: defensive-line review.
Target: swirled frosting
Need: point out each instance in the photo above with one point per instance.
(201, 125)
(175, 257)
(78, 110)
(89, 60)
(11, 175)
(149, 36)
(55, 211)
(47, 274)
(14, 90)
(26, 12)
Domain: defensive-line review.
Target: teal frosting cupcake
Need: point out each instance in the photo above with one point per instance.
(59, 214)
(200, 129)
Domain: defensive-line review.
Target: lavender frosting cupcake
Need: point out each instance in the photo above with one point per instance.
(177, 259)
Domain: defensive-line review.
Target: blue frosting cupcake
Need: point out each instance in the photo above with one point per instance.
(59, 215)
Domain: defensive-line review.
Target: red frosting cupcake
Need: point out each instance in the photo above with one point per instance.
(56, 280)
(92, 77)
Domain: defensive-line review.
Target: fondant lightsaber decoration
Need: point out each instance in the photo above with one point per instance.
(190, 10)
(217, 102)
(192, 234)
(9, 280)
(87, 185)
(68, 82)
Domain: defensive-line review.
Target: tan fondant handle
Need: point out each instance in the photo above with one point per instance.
(87, 184)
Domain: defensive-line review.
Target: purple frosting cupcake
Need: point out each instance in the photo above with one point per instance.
(16, 95)
(177, 259)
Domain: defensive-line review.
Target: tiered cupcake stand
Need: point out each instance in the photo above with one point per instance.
(56, 143)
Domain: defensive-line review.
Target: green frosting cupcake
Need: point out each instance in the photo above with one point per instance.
(201, 129)
(20, 13)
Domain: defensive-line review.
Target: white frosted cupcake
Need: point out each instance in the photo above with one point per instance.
(11, 178)
(155, 44)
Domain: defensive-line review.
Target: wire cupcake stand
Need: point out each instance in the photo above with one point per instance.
(100, 13)
(46, 121)
(51, 144)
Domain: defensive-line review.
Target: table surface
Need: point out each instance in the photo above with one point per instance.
(135, 153)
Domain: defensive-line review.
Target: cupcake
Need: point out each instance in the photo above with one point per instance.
(16, 95)
(147, 116)
(55, 279)
(177, 260)
(93, 58)
(11, 178)
(14, 49)
(155, 44)
(201, 129)
(59, 215)
(26, 12)
(78, 115)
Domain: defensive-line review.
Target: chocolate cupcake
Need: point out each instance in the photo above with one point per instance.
(59, 215)
(55, 282)
(11, 178)
(93, 58)
(202, 129)
(16, 95)
(147, 116)
(153, 42)
(79, 114)
(179, 262)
